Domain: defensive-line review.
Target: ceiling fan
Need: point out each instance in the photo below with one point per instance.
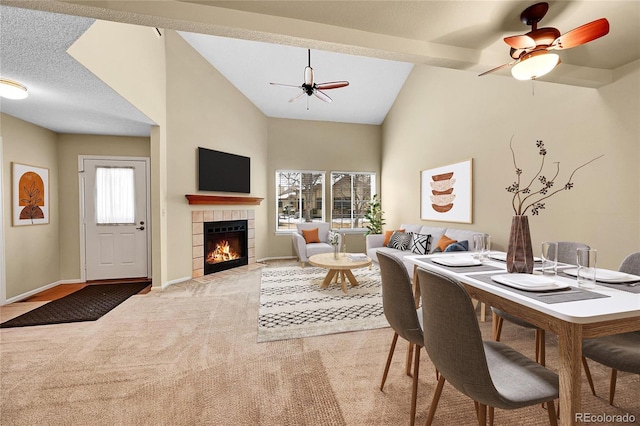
(309, 87)
(531, 51)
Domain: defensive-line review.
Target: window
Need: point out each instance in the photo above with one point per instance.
(299, 198)
(115, 195)
(350, 197)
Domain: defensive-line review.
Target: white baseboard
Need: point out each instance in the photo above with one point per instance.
(172, 282)
(39, 289)
(276, 258)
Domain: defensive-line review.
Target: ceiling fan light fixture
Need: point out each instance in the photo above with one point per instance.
(12, 89)
(535, 65)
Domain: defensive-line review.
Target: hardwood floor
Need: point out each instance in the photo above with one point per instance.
(62, 290)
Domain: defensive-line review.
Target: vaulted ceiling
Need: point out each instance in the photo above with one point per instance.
(372, 44)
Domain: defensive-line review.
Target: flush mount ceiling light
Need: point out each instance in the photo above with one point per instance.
(534, 65)
(12, 89)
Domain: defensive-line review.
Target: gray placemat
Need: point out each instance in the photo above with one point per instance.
(571, 294)
(621, 286)
(465, 269)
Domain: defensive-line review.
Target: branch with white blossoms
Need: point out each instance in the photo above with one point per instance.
(333, 238)
(525, 198)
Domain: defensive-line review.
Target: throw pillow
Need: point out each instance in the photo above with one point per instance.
(400, 240)
(458, 246)
(420, 243)
(387, 236)
(444, 242)
(310, 235)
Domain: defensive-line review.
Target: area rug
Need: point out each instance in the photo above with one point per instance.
(292, 304)
(87, 304)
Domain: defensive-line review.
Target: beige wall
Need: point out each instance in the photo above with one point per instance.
(204, 109)
(32, 253)
(318, 145)
(69, 148)
(445, 116)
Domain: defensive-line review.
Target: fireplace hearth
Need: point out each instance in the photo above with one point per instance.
(225, 245)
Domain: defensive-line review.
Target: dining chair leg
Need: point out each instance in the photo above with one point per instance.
(540, 347)
(482, 415)
(409, 357)
(612, 385)
(553, 420)
(498, 329)
(587, 372)
(491, 414)
(434, 401)
(414, 390)
(389, 358)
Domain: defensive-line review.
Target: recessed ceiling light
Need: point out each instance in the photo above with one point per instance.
(12, 89)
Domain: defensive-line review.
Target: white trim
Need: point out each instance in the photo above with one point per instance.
(3, 269)
(266, 259)
(176, 281)
(40, 289)
(81, 159)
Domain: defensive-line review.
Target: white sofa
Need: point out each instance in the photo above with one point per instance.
(303, 250)
(374, 242)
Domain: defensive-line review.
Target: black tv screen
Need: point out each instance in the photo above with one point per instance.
(221, 171)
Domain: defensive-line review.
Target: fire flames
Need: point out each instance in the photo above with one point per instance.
(222, 253)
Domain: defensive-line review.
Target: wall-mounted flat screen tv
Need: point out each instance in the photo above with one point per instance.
(221, 171)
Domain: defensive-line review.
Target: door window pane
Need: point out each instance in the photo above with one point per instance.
(115, 196)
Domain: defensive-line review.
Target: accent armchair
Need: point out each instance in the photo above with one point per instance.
(305, 248)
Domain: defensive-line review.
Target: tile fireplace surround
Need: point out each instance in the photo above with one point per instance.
(198, 217)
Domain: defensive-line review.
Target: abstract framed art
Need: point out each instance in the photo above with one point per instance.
(30, 204)
(446, 193)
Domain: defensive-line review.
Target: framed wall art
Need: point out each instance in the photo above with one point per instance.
(446, 193)
(30, 187)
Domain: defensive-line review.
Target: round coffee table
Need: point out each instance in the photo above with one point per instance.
(341, 267)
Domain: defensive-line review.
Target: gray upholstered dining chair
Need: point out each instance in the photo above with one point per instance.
(400, 310)
(491, 373)
(619, 351)
(566, 254)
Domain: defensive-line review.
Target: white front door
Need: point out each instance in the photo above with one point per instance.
(115, 218)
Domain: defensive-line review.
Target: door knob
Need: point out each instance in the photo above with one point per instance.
(141, 228)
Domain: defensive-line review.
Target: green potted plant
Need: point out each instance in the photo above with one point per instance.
(374, 217)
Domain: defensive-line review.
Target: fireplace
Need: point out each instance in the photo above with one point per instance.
(225, 245)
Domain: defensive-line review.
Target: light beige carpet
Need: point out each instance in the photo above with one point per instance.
(188, 356)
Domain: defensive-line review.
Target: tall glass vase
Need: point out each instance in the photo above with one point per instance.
(335, 251)
(520, 252)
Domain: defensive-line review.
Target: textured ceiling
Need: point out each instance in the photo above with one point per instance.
(464, 35)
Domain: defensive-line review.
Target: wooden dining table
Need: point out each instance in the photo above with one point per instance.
(612, 310)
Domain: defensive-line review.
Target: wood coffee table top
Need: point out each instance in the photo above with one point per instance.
(326, 260)
(338, 267)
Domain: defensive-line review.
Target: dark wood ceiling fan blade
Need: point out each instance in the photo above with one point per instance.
(583, 34)
(520, 42)
(322, 96)
(332, 85)
(498, 68)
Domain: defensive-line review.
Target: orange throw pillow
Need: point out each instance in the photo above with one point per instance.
(311, 235)
(388, 234)
(444, 242)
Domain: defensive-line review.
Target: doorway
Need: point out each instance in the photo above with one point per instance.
(114, 217)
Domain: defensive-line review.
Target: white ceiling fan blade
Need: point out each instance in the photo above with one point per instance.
(298, 96)
(286, 85)
(322, 96)
(308, 76)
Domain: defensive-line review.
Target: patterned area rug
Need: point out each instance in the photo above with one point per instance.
(292, 304)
